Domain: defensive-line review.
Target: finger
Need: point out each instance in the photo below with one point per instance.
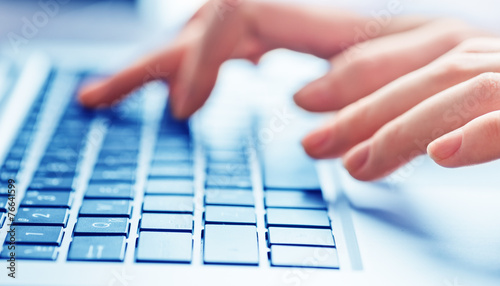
(253, 28)
(366, 67)
(475, 143)
(407, 136)
(362, 119)
(108, 91)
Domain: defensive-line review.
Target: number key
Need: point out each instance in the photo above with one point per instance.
(41, 216)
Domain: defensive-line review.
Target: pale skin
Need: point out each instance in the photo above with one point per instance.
(418, 86)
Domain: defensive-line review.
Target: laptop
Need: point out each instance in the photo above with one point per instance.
(131, 196)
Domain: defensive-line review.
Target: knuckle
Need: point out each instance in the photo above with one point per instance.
(454, 67)
(486, 88)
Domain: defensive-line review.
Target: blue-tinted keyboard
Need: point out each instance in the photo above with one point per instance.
(102, 189)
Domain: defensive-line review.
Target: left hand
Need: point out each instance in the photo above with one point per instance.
(449, 109)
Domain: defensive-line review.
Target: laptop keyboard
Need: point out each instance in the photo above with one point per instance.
(227, 219)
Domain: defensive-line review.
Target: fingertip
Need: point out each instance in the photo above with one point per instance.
(309, 97)
(93, 94)
(313, 143)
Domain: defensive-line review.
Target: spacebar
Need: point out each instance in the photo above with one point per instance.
(231, 244)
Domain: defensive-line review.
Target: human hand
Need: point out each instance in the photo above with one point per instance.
(248, 29)
(453, 103)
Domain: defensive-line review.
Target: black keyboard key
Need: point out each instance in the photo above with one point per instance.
(169, 169)
(165, 247)
(174, 204)
(34, 252)
(229, 214)
(169, 187)
(51, 184)
(42, 216)
(297, 217)
(106, 208)
(24, 234)
(164, 222)
(304, 256)
(97, 248)
(101, 225)
(301, 236)
(219, 181)
(231, 244)
(109, 191)
(295, 199)
(236, 197)
(121, 174)
(47, 199)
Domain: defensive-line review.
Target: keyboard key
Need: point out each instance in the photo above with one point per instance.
(180, 142)
(55, 168)
(3, 203)
(11, 164)
(5, 176)
(161, 222)
(295, 199)
(97, 248)
(24, 234)
(174, 204)
(165, 247)
(235, 197)
(122, 174)
(301, 236)
(51, 184)
(176, 155)
(287, 166)
(2, 219)
(101, 225)
(108, 208)
(170, 187)
(231, 244)
(110, 158)
(297, 217)
(47, 199)
(35, 252)
(223, 156)
(109, 191)
(218, 181)
(228, 169)
(228, 214)
(42, 216)
(169, 169)
(304, 256)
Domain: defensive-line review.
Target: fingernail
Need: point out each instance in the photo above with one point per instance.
(356, 160)
(315, 140)
(444, 147)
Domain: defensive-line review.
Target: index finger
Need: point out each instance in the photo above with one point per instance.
(160, 65)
